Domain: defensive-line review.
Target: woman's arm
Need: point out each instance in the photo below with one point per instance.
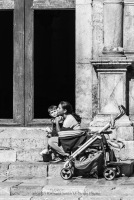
(57, 120)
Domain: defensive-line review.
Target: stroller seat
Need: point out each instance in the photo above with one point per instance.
(70, 140)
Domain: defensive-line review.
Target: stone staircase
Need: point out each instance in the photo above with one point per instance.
(23, 175)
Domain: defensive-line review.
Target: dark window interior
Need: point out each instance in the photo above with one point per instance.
(6, 64)
(54, 59)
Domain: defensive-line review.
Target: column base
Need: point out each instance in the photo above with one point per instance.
(101, 120)
(113, 55)
(123, 127)
(129, 54)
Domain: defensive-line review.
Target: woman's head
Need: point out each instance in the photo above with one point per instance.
(65, 108)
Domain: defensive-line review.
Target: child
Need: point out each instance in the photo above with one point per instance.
(51, 132)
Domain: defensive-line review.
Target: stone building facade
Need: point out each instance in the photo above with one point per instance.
(104, 33)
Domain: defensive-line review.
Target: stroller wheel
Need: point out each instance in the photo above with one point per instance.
(66, 173)
(109, 174)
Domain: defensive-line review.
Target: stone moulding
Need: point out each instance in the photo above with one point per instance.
(129, 51)
(53, 4)
(102, 65)
(83, 2)
(113, 1)
(130, 2)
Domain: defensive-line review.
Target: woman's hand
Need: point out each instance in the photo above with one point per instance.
(58, 119)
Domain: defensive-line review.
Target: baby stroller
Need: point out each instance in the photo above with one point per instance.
(89, 152)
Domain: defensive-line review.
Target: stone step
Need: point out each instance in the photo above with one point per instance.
(15, 198)
(32, 155)
(38, 188)
(20, 138)
(66, 197)
(25, 144)
(79, 188)
(30, 169)
(42, 169)
(78, 197)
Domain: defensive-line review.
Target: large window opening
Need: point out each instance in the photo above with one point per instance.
(6, 64)
(54, 59)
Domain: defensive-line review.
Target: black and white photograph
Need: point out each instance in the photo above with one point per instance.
(67, 112)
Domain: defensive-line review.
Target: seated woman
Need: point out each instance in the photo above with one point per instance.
(71, 121)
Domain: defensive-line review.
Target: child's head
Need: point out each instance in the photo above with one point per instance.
(52, 110)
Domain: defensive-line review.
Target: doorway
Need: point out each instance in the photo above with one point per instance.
(54, 59)
(6, 62)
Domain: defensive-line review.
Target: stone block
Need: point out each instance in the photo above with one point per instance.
(28, 143)
(7, 156)
(81, 197)
(63, 190)
(84, 32)
(4, 169)
(53, 4)
(83, 83)
(126, 153)
(4, 191)
(54, 169)
(126, 133)
(29, 156)
(5, 142)
(22, 133)
(15, 198)
(31, 190)
(23, 138)
(5, 187)
(26, 169)
(60, 197)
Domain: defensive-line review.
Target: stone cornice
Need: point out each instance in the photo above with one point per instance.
(113, 1)
(129, 2)
(111, 62)
(83, 2)
(41, 4)
(108, 65)
(101, 1)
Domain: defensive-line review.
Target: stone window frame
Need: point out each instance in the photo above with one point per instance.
(30, 6)
(23, 83)
(17, 6)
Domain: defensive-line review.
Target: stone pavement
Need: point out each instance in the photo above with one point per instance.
(54, 187)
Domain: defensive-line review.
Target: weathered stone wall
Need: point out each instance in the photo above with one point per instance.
(97, 48)
(24, 144)
(6, 4)
(83, 57)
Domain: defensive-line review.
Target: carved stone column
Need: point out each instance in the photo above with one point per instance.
(128, 39)
(113, 27)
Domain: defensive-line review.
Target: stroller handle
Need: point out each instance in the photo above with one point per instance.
(122, 112)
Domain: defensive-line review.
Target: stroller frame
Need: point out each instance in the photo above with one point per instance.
(111, 169)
